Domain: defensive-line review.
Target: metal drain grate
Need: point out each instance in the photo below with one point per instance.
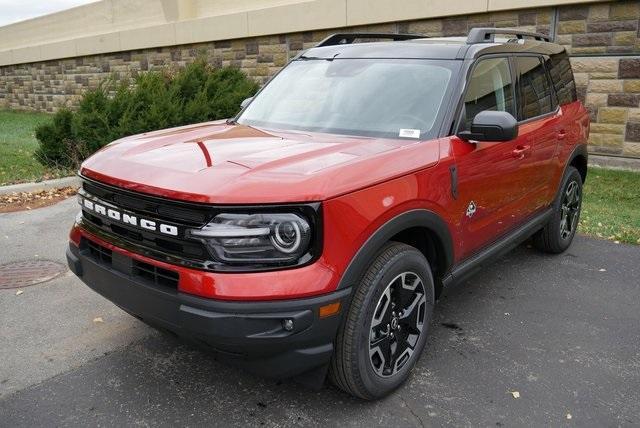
(29, 272)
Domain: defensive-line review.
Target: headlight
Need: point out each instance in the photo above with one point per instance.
(256, 238)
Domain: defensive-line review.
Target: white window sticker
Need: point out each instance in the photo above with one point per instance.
(410, 133)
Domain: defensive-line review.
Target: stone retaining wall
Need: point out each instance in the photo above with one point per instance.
(603, 39)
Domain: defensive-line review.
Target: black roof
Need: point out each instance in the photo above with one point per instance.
(480, 41)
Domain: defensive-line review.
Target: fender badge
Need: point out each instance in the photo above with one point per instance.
(471, 209)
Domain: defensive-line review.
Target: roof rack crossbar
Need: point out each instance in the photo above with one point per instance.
(348, 38)
(486, 35)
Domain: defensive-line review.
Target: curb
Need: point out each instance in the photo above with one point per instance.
(40, 186)
(614, 162)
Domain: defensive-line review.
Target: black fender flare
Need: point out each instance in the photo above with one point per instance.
(414, 218)
(580, 150)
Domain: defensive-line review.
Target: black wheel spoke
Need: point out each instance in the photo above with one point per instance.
(405, 290)
(409, 317)
(401, 345)
(382, 340)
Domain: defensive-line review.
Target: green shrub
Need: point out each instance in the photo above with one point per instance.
(156, 100)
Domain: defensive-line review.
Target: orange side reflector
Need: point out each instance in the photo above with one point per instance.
(329, 310)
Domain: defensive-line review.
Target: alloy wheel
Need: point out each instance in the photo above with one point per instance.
(397, 324)
(569, 210)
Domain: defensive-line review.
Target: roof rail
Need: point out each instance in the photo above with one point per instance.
(486, 35)
(348, 38)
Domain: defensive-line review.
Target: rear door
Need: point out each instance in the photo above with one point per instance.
(539, 128)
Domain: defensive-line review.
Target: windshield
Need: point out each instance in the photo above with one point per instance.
(390, 98)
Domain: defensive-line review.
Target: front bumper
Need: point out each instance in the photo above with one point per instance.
(248, 334)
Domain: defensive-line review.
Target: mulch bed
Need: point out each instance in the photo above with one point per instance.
(20, 201)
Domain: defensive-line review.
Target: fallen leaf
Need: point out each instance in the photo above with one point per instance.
(19, 292)
(98, 319)
(515, 394)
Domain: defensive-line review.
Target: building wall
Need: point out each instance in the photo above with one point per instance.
(602, 37)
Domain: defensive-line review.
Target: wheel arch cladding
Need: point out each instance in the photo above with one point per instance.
(579, 159)
(422, 229)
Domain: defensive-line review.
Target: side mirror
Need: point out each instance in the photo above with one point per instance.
(245, 102)
(491, 125)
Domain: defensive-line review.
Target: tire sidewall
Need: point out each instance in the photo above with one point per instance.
(409, 260)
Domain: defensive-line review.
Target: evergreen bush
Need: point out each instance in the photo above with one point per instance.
(155, 100)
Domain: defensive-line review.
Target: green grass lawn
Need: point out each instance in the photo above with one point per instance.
(611, 205)
(17, 145)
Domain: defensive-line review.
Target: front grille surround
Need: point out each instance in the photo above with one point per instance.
(180, 249)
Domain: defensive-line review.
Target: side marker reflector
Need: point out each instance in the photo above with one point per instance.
(329, 310)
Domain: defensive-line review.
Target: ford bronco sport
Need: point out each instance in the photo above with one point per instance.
(312, 233)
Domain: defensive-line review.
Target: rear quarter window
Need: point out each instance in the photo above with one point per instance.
(562, 76)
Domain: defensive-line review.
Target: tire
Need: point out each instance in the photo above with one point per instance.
(556, 236)
(371, 372)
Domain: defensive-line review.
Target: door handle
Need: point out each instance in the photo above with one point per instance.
(519, 151)
(562, 134)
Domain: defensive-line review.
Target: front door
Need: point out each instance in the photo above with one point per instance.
(491, 186)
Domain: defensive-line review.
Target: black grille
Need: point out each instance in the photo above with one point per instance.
(164, 247)
(145, 272)
(172, 246)
(174, 211)
(155, 274)
(98, 253)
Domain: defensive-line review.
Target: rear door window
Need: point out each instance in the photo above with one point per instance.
(535, 95)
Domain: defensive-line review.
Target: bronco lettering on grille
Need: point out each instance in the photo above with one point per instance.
(105, 210)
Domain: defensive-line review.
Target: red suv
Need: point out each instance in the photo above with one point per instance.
(312, 234)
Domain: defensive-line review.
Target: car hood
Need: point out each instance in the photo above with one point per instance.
(234, 164)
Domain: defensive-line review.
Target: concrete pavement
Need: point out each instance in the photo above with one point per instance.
(563, 331)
